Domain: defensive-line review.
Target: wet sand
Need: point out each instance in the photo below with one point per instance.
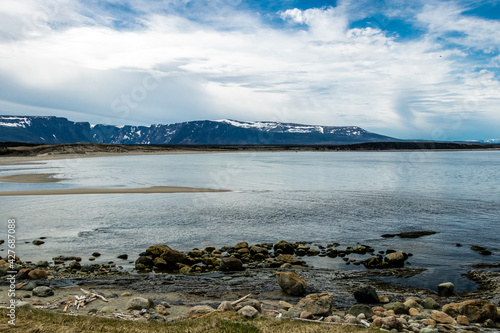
(31, 178)
(154, 189)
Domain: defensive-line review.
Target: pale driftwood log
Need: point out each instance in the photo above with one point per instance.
(240, 300)
(101, 297)
(66, 307)
(326, 323)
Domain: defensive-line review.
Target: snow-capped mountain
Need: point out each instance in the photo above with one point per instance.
(55, 130)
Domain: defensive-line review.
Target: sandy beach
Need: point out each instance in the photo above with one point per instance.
(31, 178)
(154, 189)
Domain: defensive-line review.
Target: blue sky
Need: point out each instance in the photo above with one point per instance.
(409, 69)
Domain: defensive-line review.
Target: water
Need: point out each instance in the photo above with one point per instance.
(321, 197)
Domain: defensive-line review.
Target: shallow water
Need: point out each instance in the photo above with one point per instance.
(344, 197)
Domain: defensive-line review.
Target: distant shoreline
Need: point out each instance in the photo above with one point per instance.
(21, 152)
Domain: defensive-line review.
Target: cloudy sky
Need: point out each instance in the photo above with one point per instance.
(411, 69)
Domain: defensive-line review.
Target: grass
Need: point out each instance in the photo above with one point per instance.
(28, 321)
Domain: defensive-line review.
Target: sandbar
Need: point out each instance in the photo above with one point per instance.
(31, 178)
(153, 189)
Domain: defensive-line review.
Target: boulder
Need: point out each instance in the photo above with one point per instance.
(96, 254)
(391, 322)
(253, 303)
(358, 309)
(366, 294)
(446, 289)
(231, 264)
(42, 263)
(199, 310)
(291, 283)
(318, 304)
(396, 259)
(37, 274)
(38, 242)
(285, 305)
(75, 265)
(462, 320)
(241, 245)
(306, 315)
(123, 256)
(139, 303)
(28, 287)
(23, 274)
(284, 247)
(397, 307)
(430, 303)
(256, 249)
(248, 312)
(442, 318)
(43, 291)
(476, 311)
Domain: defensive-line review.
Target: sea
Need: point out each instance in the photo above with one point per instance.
(348, 198)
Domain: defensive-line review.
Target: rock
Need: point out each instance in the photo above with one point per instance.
(43, 291)
(391, 322)
(23, 305)
(284, 247)
(480, 250)
(231, 264)
(28, 287)
(446, 289)
(476, 311)
(42, 263)
(185, 270)
(248, 312)
(397, 307)
(358, 309)
(75, 265)
(429, 322)
(199, 310)
(413, 312)
(252, 302)
(162, 310)
(291, 283)
(37, 274)
(241, 245)
(139, 303)
(313, 252)
(290, 259)
(306, 315)
(96, 254)
(225, 306)
(462, 320)
(126, 294)
(285, 305)
(318, 304)
(172, 257)
(333, 319)
(429, 330)
(383, 299)
(123, 256)
(366, 294)
(396, 259)
(107, 309)
(430, 303)
(38, 242)
(256, 249)
(23, 274)
(442, 318)
(416, 234)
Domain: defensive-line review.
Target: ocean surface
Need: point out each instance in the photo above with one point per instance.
(320, 197)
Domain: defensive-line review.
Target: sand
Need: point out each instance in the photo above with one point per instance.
(31, 178)
(154, 189)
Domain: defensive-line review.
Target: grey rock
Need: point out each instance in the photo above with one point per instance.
(248, 312)
(366, 295)
(397, 307)
(139, 303)
(357, 309)
(231, 264)
(43, 291)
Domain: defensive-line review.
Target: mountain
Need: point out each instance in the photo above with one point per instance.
(56, 130)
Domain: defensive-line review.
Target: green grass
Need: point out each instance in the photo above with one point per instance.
(28, 321)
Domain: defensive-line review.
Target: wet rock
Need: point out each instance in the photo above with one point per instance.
(313, 252)
(258, 250)
(358, 309)
(42, 263)
(241, 245)
(231, 264)
(38, 242)
(28, 287)
(476, 311)
(199, 310)
(396, 259)
(248, 312)
(318, 304)
(416, 234)
(123, 256)
(284, 247)
(480, 250)
(37, 274)
(331, 252)
(96, 254)
(397, 307)
(291, 283)
(446, 289)
(366, 294)
(288, 258)
(143, 262)
(139, 303)
(43, 291)
(75, 265)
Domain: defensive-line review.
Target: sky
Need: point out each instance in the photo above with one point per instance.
(416, 69)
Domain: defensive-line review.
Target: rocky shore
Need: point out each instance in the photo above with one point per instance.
(266, 280)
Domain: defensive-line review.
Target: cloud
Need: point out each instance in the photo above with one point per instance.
(209, 60)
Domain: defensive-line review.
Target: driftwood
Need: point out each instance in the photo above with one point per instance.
(80, 301)
(320, 321)
(240, 300)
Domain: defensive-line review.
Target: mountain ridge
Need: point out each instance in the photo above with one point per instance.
(59, 130)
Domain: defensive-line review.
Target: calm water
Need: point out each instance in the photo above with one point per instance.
(345, 197)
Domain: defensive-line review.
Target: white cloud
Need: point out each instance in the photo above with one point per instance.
(316, 70)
